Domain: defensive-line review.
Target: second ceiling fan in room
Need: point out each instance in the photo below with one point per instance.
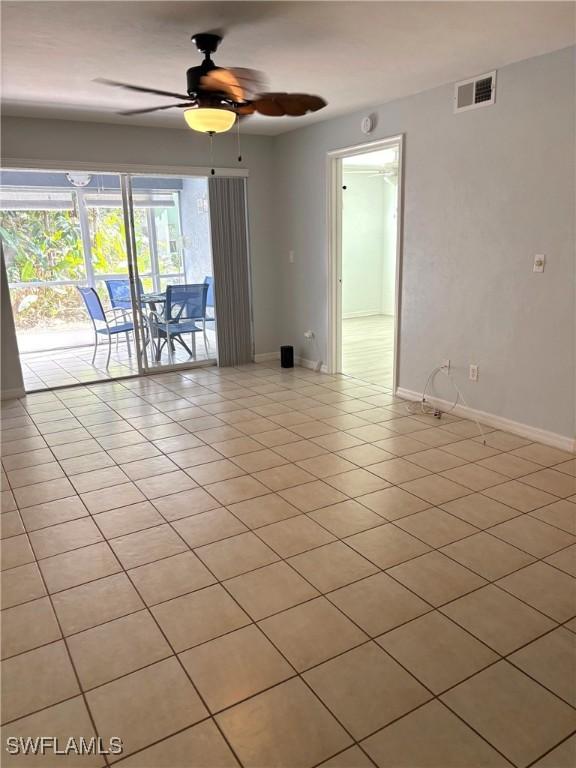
(217, 96)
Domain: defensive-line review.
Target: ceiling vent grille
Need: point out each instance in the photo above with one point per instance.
(479, 91)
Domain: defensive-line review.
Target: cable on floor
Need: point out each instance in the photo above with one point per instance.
(423, 407)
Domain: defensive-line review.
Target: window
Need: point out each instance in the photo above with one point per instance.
(44, 255)
(61, 231)
(55, 239)
(42, 237)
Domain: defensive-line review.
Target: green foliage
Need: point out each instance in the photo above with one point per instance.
(45, 246)
(42, 245)
(108, 240)
(43, 307)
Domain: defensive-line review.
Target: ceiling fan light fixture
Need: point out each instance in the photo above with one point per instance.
(210, 119)
(217, 96)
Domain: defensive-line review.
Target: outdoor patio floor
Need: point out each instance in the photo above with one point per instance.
(66, 367)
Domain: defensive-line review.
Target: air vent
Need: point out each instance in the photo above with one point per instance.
(479, 91)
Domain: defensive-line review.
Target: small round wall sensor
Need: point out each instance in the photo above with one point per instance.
(367, 124)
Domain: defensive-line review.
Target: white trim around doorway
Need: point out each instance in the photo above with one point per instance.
(334, 223)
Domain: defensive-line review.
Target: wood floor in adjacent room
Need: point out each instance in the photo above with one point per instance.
(368, 348)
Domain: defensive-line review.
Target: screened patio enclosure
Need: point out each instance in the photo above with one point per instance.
(65, 231)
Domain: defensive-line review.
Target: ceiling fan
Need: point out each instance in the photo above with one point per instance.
(217, 96)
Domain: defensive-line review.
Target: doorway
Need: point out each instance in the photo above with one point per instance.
(365, 255)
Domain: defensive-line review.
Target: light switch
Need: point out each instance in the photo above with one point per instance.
(539, 262)
(291, 257)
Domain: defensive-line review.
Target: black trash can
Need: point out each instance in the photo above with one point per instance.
(287, 357)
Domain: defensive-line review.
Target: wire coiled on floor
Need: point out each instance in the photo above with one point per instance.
(423, 407)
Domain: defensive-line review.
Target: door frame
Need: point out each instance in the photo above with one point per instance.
(334, 218)
(125, 171)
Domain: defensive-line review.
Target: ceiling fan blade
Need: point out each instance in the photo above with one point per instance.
(301, 103)
(223, 81)
(266, 105)
(156, 109)
(251, 80)
(140, 88)
(292, 104)
(237, 83)
(245, 109)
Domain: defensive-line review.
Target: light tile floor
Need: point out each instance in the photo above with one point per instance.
(280, 568)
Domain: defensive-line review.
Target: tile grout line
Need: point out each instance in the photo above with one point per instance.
(73, 667)
(338, 538)
(344, 541)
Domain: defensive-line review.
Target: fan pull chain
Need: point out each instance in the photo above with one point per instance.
(211, 134)
(238, 138)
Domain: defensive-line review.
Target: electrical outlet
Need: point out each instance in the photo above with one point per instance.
(446, 364)
(309, 335)
(539, 262)
(473, 372)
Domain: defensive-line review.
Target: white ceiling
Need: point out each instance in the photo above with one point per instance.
(354, 54)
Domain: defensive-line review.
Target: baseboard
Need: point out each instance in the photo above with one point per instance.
(10, 394)
(303, 362)
(536, 434)
(262, 357)
(361, 313)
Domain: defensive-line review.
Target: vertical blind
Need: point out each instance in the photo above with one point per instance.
(228, 222)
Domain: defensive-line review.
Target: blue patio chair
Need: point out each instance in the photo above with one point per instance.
(119, 292)
(111, 326)
(209, 280)
(185, 306)
(210, 316)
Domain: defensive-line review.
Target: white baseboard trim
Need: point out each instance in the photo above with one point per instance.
(10, 394)
(369, 313)
(361, 313)
(262, 357)
(536, 434)
(303, 362)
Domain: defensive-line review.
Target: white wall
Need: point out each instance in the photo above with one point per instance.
(484, 191)
(61, 142)
(368, 244)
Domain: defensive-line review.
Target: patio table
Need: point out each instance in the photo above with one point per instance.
(156, 301)
(152, 299)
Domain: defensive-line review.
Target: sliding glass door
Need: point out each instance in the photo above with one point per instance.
(172, 284)
(63, 240)
(92, 262)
